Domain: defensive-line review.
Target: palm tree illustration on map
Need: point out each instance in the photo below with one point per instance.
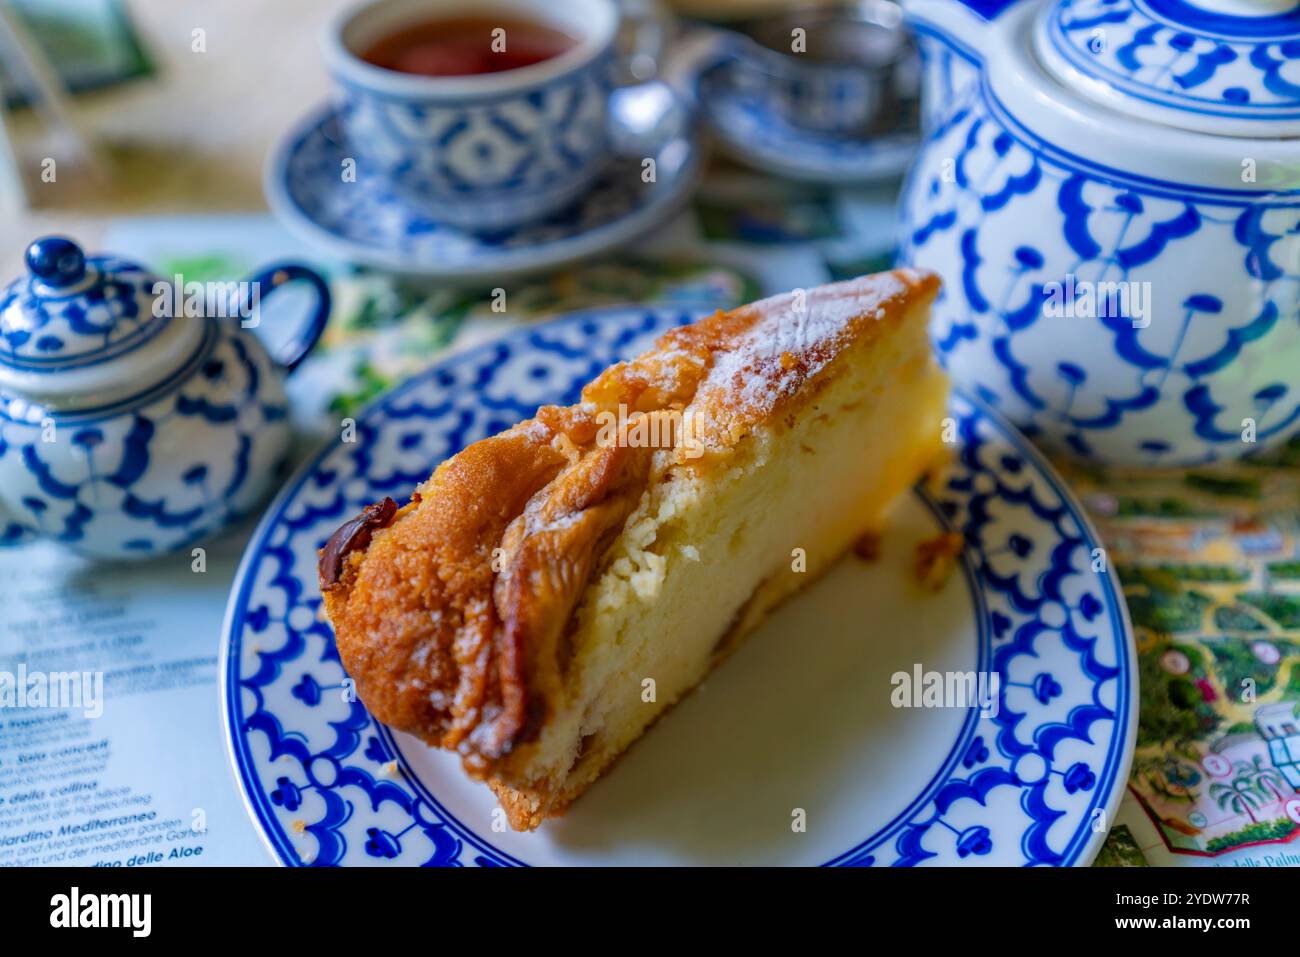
(1245, 792)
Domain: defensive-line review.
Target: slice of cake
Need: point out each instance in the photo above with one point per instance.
(550, 591)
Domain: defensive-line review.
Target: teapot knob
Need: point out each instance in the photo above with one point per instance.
(56, 261)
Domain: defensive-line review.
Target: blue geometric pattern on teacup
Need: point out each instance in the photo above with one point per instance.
(368, 214)
(155, 471)
(103, 315)
(328, 785)
(485, 162)
(1185, 355)
(1189, 57)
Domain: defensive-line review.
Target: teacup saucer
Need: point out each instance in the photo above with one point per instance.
(750, 132)
(362, 221)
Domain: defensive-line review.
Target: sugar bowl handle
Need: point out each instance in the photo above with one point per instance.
(265, 283)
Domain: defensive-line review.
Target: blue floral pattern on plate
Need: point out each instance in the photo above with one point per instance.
(1034, 783)
(365, 221)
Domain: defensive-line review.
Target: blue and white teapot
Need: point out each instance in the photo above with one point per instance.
(1111, 192)
(133, 420)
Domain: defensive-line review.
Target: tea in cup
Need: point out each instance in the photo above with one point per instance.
(483, 115)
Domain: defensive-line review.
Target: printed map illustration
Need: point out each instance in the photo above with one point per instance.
(1210, 562)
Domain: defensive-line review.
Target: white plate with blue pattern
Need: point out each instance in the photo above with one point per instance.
(749, 131)
(361, 220)
(791, 753)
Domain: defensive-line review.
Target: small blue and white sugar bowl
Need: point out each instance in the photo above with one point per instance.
(1110, 190)
(138, 415)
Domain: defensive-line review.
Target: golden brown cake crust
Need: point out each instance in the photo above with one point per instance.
(451, 614)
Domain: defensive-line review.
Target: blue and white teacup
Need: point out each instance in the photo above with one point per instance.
(836, 70)
(486, 151)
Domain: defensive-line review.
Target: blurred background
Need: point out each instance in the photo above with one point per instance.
(184, 130)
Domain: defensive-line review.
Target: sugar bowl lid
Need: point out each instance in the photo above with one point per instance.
(73, 311)
(1228, 67)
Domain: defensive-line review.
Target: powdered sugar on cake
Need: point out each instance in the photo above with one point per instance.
(792, 338)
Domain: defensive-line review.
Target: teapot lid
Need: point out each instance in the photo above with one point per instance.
(1230, 67)
(78, 325)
